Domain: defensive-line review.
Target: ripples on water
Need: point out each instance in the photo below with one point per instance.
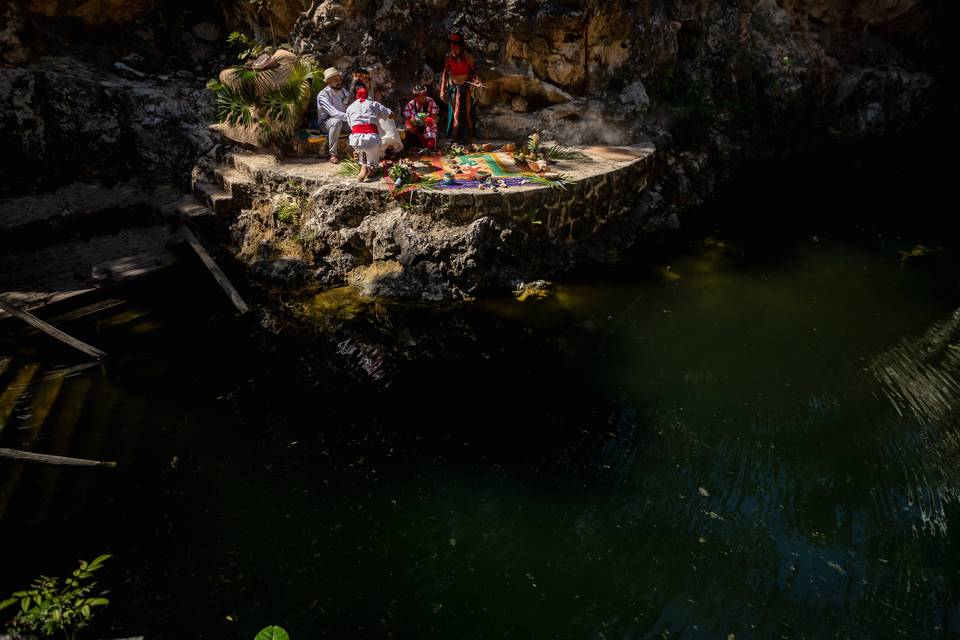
(715, 446)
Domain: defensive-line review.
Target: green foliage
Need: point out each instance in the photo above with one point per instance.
(49, 608)
(248, 47)
(560, 182)
(692, 109)
(533, 145)
(276, 111)
(272, 633)
(288, 211)
(556, 152)
(232, 106)
(401, 171)
(349, 169)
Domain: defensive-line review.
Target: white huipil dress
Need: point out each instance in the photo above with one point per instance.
(367, 145)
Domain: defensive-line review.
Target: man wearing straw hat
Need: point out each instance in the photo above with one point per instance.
(331, 109)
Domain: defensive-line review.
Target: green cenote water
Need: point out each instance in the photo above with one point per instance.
(726, 436)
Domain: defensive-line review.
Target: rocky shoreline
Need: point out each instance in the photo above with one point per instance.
(710, 86)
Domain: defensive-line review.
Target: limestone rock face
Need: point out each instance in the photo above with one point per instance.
(591, 71)
(65, 120)
(11, 25)
(871, 12)
(94, 12)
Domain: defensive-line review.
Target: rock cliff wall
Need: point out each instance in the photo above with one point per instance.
(97, 90)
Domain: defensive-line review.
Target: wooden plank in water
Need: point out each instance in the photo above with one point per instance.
(82, 312)
(30, 300)
(58, 461)
(52, 331)
(132, 267)
(218, 275)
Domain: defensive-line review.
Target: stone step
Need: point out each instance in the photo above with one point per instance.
(214, 197)
(238, 185)
(187, 208)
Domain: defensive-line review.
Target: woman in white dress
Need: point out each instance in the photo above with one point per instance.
(363, 115)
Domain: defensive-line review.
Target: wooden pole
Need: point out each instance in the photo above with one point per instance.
(57, 461)
(218, 275)
(52, 331)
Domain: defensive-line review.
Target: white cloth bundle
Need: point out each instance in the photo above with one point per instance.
(389, 136)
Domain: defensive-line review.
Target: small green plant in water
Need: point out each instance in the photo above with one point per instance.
(51, 606)
(272, 633)
(918, 251)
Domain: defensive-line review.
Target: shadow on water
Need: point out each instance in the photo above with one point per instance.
(749, 431)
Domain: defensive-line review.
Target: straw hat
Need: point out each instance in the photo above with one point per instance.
(331, 72)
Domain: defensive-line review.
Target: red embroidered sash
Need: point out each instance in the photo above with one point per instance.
(364, 128)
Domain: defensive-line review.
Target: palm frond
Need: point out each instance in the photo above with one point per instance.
(560, 183)
(349, 168)
(253, 82)
(255, 91)
(232, 106)
(556, 152)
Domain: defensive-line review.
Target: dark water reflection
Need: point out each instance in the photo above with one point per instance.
(728, 446)
(748, 436)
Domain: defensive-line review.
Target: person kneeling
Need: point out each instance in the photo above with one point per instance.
(363, 116)
(420, 116)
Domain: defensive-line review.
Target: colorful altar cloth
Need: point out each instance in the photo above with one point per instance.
(501, 167)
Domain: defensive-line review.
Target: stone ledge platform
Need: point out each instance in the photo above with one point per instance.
(600, 186)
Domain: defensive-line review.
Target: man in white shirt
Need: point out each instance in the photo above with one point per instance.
(331, 109)
(364, 116)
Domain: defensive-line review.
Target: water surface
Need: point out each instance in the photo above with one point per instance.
(717, 438)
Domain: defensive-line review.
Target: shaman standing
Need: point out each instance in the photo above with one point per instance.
(457, 89)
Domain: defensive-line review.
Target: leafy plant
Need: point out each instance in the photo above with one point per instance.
(272, 633)
(254, 98)
(556, 152)
(560, 182)
(533, 144)
(288, 211)
(402, 172)
(249, 47)
(49, 607)
(349, 168)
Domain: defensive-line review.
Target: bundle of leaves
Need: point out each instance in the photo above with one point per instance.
(263, 101)
(50, 607)
(402, 171)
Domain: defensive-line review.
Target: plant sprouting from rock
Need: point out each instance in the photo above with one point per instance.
(51, 606)
(249, 47)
